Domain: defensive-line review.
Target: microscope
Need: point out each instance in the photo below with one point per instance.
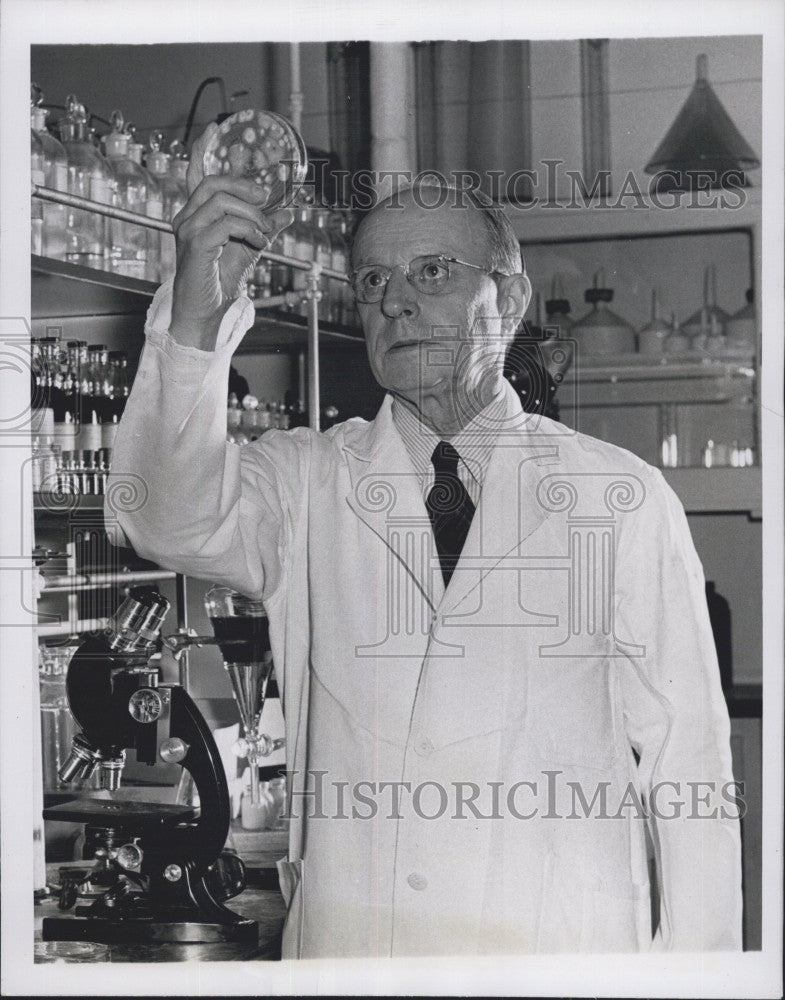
(161, 872)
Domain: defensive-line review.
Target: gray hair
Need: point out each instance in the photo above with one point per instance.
(504, 255)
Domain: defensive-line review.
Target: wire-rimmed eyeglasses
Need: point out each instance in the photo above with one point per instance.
(429, 274)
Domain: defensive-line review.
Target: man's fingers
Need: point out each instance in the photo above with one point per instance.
(233, 227)
(195, 172)
(187, 226)
(277, 221)
(239, 187)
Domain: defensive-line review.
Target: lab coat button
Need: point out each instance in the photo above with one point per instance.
(423, 747)
(417, 881)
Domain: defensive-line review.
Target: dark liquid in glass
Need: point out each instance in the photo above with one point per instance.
(242, 640)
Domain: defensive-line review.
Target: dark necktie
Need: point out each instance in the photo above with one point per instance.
(449, 507)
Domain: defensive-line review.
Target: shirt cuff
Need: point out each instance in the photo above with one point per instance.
(237, 320)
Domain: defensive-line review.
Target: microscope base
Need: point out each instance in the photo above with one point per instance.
(139, 930)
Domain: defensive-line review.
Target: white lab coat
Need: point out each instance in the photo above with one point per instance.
(574, 629)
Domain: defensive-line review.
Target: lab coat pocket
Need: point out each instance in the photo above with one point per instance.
(290, 878)
(613, 923)
(579, 917)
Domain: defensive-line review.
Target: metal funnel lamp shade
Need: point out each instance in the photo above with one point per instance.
(702, 148)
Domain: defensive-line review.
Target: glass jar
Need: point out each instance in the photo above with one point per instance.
(89, 176)
(55, 169)
(127, 243)
(153, 209)
(172, 200)
(57, 724)
(37, 208)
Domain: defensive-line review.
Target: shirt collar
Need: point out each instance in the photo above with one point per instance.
(474, 443)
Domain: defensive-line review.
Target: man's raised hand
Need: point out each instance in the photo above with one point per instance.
(219, 233)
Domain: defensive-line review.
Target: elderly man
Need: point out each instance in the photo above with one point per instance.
(496, 663)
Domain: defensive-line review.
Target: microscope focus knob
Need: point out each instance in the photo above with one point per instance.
(172, 750)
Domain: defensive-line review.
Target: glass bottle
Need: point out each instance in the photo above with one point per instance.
(299, 243)
(57, 723)
(281, 274)
(557, 309)
(172, 200)
(98, 364)
(601, 333)
(127, 243)
(557, 346)
(45, 454)
(153, 209)
(233, 416)
(676, 342)
(37, 176)
(338, 262)
(89, 176)
(346, 308)
(742, 327)
(652, 338)
(248, 420)
(698, 326)
(67, 424)
(55, 177)
(322, 254)
(51, 376)
(178, 169)
(37, 394)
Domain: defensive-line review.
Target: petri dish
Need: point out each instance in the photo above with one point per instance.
(70, 951)
(261, 145)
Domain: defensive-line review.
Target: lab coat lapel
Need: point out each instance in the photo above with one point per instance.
(385, 495)
(508, 511)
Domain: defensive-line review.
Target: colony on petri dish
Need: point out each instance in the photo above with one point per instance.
(261, 145)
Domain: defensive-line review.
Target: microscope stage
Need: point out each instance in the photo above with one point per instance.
(102, 812)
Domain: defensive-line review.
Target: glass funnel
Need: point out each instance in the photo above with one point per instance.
(242, 634)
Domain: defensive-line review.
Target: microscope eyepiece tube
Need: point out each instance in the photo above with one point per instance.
(137, 621)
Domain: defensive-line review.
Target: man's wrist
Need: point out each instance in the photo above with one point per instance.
(199, 332)
(194, 333)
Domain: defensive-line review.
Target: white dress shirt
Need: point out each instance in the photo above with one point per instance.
(474, 444)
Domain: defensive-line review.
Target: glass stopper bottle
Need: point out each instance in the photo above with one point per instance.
(127, 245)
(153, 209)
(172, 200)
(55, 166)
(89, 176)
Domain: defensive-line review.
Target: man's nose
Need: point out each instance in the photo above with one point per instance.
(399, 297)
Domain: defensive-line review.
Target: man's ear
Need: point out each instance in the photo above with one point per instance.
(514, 292)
